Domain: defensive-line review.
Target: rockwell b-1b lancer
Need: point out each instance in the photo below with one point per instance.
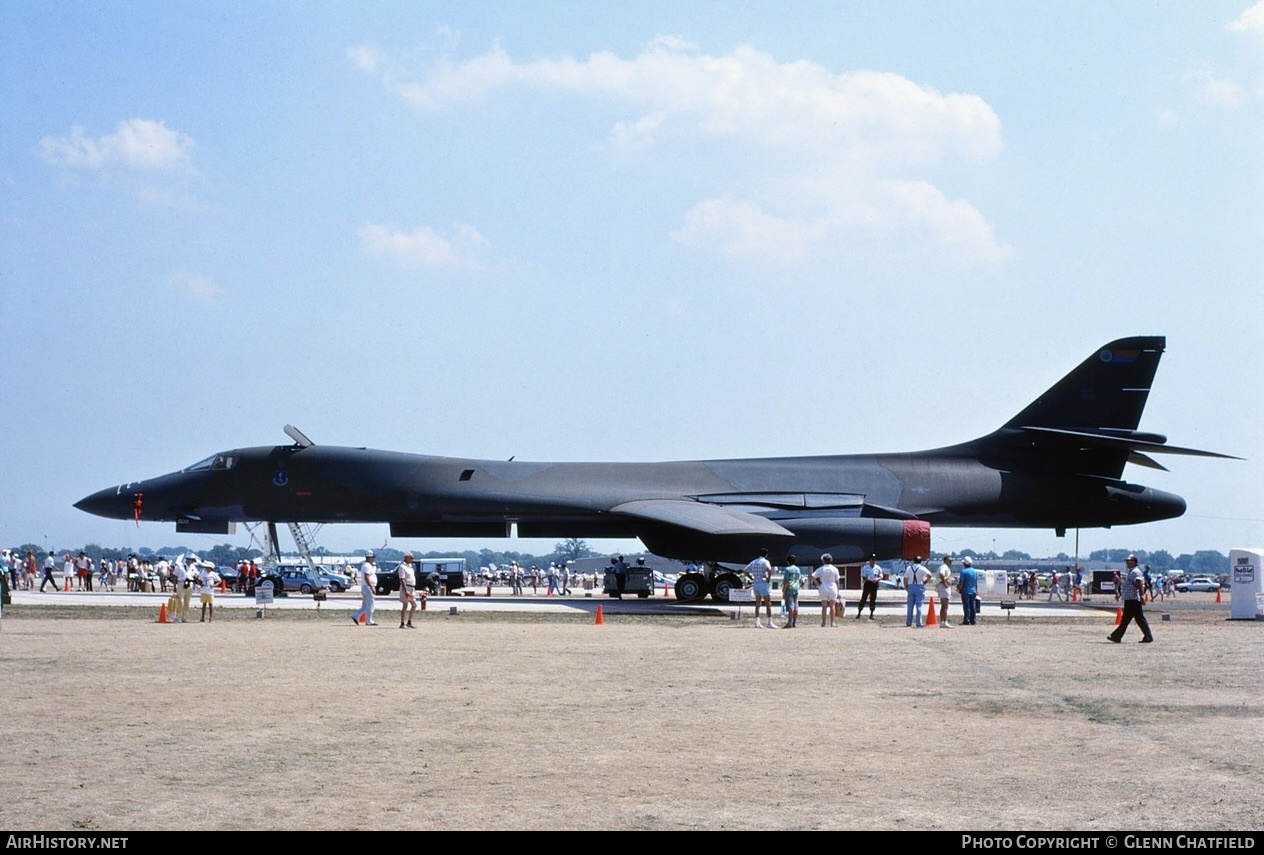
(1057, 464)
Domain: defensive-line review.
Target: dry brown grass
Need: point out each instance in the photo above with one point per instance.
(507, 722)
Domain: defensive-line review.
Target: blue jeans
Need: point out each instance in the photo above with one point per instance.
(968, 602)
(916, 593)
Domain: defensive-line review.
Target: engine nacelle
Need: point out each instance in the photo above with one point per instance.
(852, 541)
(849, 540)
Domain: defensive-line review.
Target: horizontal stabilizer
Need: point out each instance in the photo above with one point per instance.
(1121, 443)
(1149, 462)
(708, 519)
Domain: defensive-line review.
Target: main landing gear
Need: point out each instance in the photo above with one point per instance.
(715, 580)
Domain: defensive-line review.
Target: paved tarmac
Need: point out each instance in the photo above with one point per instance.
(890, 603)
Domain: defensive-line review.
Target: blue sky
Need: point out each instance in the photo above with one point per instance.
(641, 231)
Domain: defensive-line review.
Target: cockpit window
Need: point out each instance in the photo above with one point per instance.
(215, 461)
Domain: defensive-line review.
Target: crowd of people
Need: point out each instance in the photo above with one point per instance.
(71, 572)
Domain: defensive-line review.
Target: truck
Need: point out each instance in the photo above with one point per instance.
(436, 576)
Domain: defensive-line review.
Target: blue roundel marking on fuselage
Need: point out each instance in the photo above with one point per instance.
(280, 479)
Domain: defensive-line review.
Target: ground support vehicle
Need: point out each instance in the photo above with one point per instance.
(638, 581)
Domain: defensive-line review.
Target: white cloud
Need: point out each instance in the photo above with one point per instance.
(364, 58)
(739, 229)
(141, 144)
(1222, 91)
(1217, 91)
(808, 140)
(953, 224)
(746, 93)
(1250, 21)
(423, 246)
(201, 289)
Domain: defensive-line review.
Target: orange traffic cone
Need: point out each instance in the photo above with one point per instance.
(162, 614)
(1119, 615)
(363, 620)
(423, 602)
(666, 590)
(601, 618)
(1217, 595)
(66, 590)
(1075, 594)
(223, 586)
(931, 618)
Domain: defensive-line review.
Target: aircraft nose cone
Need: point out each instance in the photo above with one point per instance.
(106, 503)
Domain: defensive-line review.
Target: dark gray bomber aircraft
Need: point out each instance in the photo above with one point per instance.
(1057, 464)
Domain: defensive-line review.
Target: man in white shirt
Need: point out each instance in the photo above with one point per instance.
(915, 578)
(184, 589)
(50, 564)
(943, 587)
(870, 575)
(368, 587)
(760, 571)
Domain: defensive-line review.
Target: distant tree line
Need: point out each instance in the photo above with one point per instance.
(567, 550)
(1207, 561)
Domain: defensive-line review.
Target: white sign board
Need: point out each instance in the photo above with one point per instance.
(263, 594)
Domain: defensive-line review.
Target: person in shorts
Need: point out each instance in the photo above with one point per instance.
(407, 591)
(827, 578)
(207, 580)
(760, 571)
(791, 579)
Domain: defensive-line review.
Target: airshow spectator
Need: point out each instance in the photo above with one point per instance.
(827, 577)
(968, 587)
(407, 590)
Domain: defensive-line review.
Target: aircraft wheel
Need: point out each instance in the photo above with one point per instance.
(643, 594)
(724, 586)
(690, 587)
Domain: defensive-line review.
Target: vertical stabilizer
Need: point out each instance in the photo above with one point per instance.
(1106, 393)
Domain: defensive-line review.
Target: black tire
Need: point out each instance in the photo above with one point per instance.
(643, 594)
(304, 588)
(691, 586)
(724, 586)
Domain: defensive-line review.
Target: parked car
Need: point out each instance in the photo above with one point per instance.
(1200, 583)
(334, 581)
(293, 577)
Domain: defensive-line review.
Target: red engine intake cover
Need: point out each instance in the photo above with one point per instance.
(916, 540)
